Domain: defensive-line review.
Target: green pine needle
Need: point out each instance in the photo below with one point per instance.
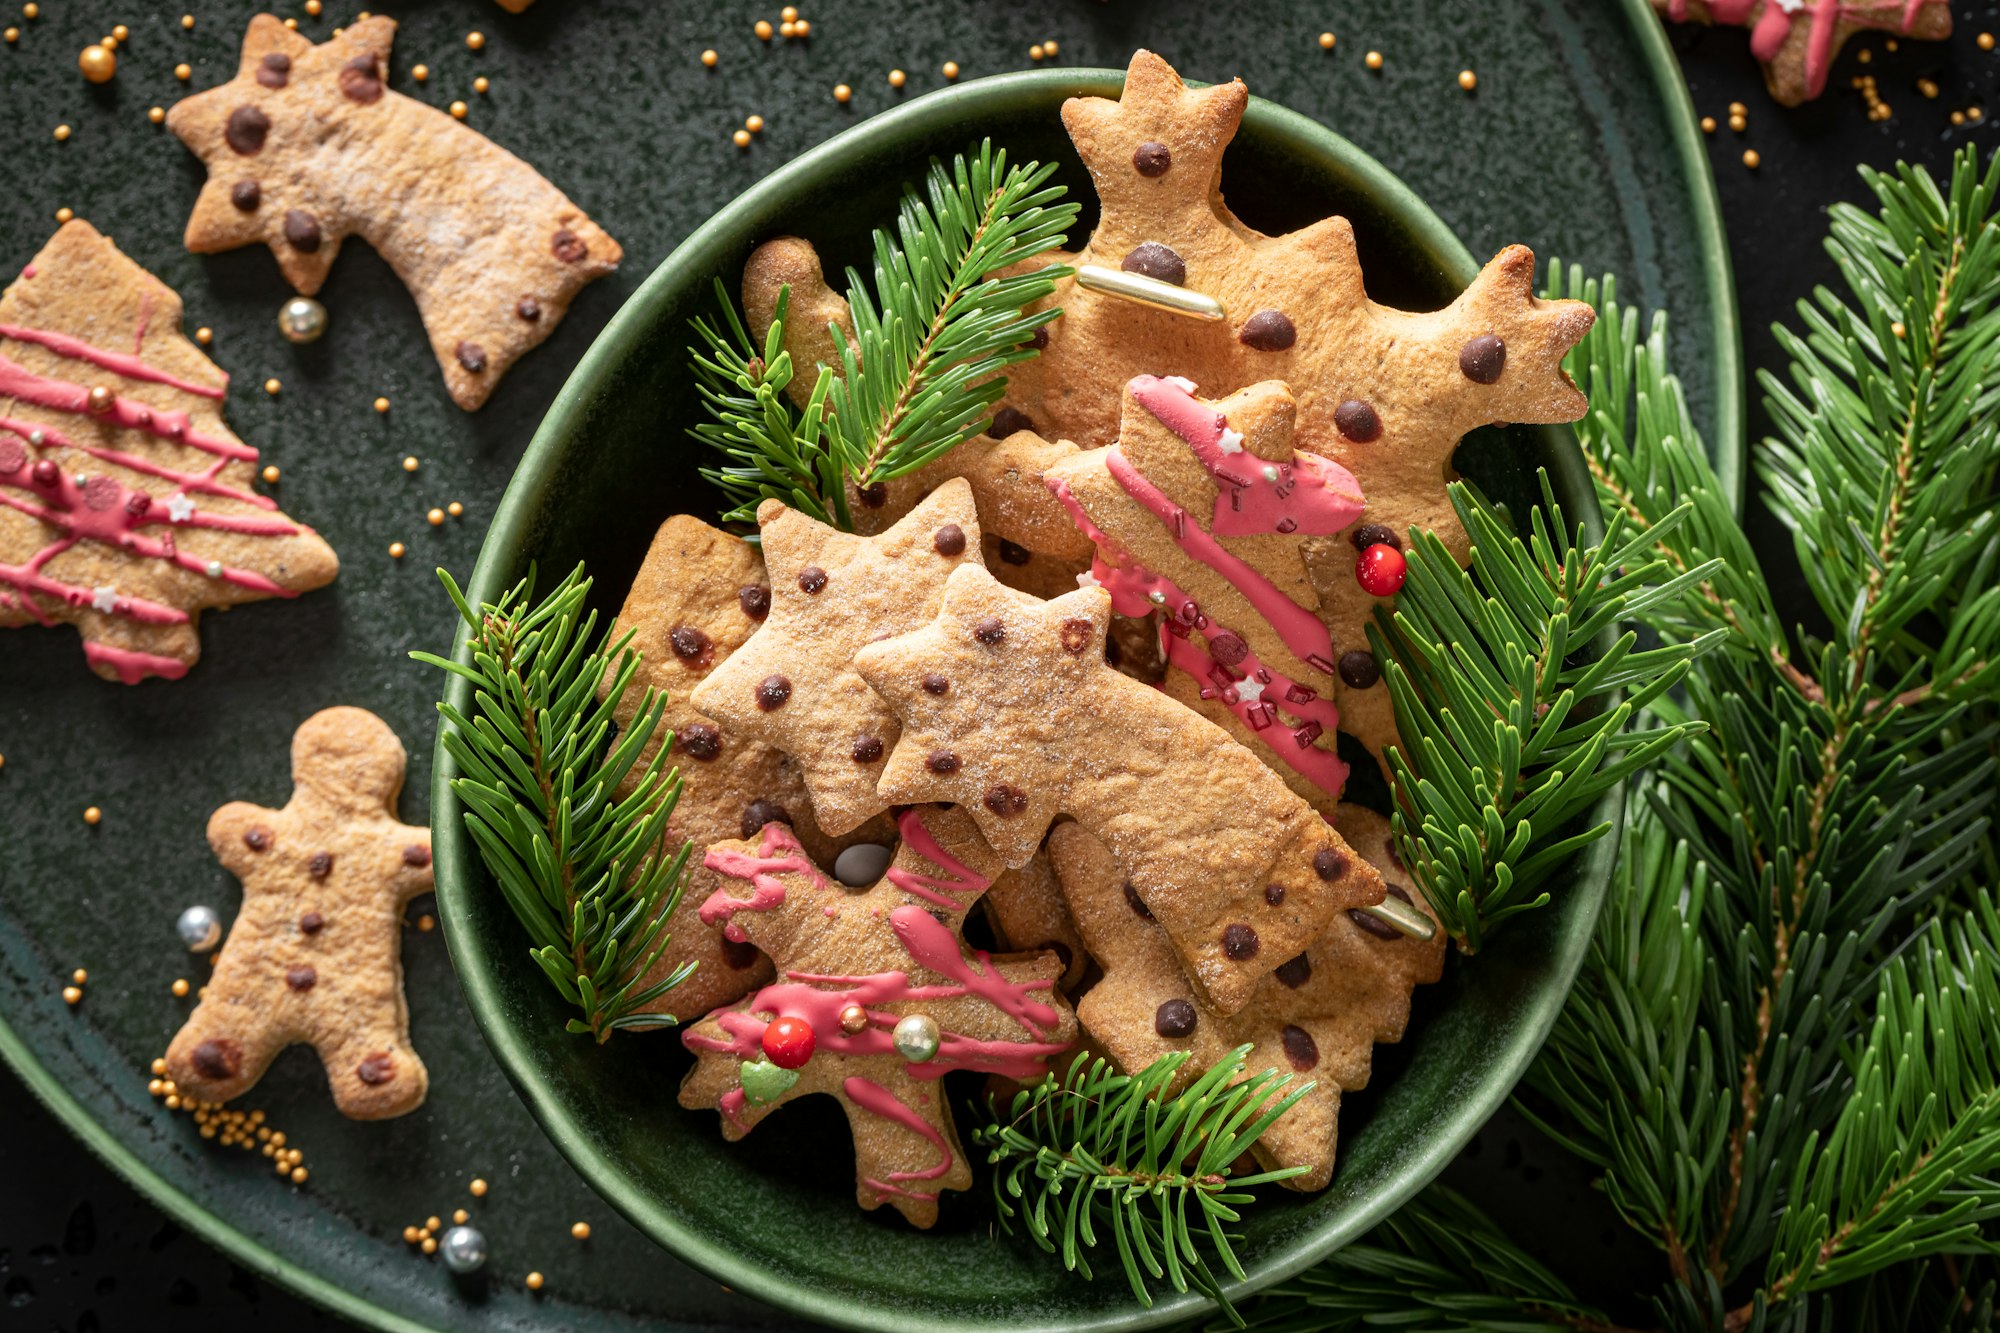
(932, 332)
(584, 868)
(1092, 1151)
(1510, 730)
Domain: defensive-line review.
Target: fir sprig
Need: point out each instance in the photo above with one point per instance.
(1508, 731)
(932, 334)
(1092, 1151)
(1783, 1054)
(586, 870)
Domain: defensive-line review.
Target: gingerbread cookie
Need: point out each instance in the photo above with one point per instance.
(1798, 40)
(126, 505)
(1382, 392)
(307, 145)
(1317, 1017)
(1009, 709)
(877, 998)
(1026, 911)
(315, 954)
(698, 597)
(793, 685)
(1199, 511)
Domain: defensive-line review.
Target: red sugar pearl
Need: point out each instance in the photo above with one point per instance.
(788, 1042)
(1380, 570)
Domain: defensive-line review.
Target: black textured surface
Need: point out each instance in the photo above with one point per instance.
(79, 1250)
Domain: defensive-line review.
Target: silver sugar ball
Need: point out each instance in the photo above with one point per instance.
(199, 928)
(302, 320)
(916, 1038)
(861, 865)
(464, 1249)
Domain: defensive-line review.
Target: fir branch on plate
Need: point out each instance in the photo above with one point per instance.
(1505, 740)
(931, 335)
(1783, 1051)
(586, 870)
(1092, 1151)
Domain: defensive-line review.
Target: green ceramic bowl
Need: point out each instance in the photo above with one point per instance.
(774, 1216)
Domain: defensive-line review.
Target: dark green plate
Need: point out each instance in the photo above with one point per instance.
(1579, 141)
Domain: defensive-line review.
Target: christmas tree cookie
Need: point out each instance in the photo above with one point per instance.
(126, 505)
(1798, 40)
(1008, 708)
(1199, 512)
(876, 999)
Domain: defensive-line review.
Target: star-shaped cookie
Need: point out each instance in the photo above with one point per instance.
(1317, 1017)
(698, 597)
(315, 954)
(1009, 709)
(307, 146)
(126, 505)
(793, 686)
(853, 964)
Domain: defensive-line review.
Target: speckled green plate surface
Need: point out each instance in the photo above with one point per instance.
(1579, 141)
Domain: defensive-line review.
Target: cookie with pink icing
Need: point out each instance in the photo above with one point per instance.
(127, 506)
(1317, 1017)
(876, 999)
(1008, 708)
(307, 145)
(1199, 515)
(698, 597)
(1798, 40)
(315, 953)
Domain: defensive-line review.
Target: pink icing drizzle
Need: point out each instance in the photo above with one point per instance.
(118, 363)
(928, 887)
(17, 381)
(131, 666)
(1774, 26)
(819, 999)
(195, 483)
(1310, 495)
(778, 853)
(872, 1097)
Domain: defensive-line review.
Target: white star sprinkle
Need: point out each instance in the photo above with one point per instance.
(1086, 579)
(1250, 690)
(179, 508)
(1232, 443)
(104, 599)
(1181, 382)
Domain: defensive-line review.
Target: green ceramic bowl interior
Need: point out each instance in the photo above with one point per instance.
(774, 1216)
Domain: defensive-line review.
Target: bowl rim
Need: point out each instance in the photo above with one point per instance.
(703, 251)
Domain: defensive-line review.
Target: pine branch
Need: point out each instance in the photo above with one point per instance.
(1095, 1150)
(932, 334)
(585, 871)
(1438, 1266)
(1908, 1170)
(1507, 737)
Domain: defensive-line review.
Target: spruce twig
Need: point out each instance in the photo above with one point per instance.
(934, 327)
(585, 870)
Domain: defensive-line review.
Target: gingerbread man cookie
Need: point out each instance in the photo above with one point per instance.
(1009, 709)
(877, 999)
(1316, 1017)
(699, 597)
(126, 505)
(1798, 40)
(315, 954)
(793, 685)
(307, 146)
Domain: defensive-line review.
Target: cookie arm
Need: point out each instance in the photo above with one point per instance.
(789, 261)
(231, 830)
